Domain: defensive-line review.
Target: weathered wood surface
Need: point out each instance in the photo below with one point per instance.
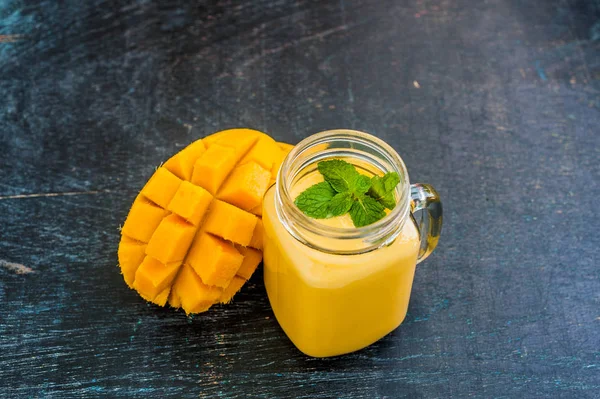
(496, 103)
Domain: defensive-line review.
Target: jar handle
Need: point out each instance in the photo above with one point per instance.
(426, 211)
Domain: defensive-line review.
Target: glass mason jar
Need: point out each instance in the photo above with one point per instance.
(333, 289)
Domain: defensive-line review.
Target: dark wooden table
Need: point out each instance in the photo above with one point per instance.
(496, 103)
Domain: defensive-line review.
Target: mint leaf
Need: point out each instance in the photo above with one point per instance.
(347, 191)
(390, 181)
(362, 184)
(315, 200)
(366, 210)
(388, 201)
(340, 174)
(340, 204)
(382, 189)
(344, 177)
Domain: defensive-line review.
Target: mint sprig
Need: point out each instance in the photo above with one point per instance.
(340, 174)
(347, 191)
(340, 204)
(382, 189)
(366, 210)
(315, 201)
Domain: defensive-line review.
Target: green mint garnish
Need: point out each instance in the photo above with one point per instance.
(341, 175)
(315, 200)
(340, 204)
(382, 189)
(366, 210)
(345, 190)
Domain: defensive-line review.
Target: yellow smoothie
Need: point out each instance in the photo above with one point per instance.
(330, 304)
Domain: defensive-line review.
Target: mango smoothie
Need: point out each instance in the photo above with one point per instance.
(330, 304)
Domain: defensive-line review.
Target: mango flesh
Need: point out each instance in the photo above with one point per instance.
(231, 223)
(144, 217)
(152, 277)
(212, 168)
(131, 254)
(193, 236)
(182, 164)
(246, 186)
(214, 260)
(161, 187)
(257, 236)
(252, 258)
(190, 202)
(171, 239)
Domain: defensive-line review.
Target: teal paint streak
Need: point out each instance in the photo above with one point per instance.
(540, 71)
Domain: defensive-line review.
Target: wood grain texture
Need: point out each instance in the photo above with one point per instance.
(496, 103)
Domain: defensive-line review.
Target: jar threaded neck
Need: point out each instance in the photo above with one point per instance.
(345, 144)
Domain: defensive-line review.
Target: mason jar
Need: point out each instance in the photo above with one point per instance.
(335, 288)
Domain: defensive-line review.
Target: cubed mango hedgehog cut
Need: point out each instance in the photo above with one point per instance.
(161, 187)
(214, 260)
(131, 254)
(190, 202)
(257, 210)
(171, 239)
(190, 293)
(230, 222)
(246, 186)
(193, 235)
(285, 147)
(213, 167)
(266, 153)
(153, 277)
(144, 217)
(232, 289)
(182, 163)
(257, 235)
(252, 258)
(231, 135)
(161, 299)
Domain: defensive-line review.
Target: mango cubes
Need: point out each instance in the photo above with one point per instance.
(246, 186)
(193, 236)
(215, 260)
(231, 223)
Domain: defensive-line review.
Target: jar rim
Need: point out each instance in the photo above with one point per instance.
(304, 228)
